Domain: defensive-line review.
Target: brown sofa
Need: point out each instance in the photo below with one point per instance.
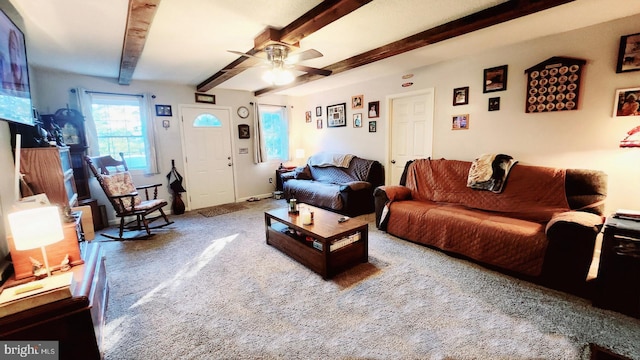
(541, 227)
(345, 187)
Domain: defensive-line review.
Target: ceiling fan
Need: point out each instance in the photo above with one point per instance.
(280, 62)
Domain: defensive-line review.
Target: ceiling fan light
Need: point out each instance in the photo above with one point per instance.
(278, 76)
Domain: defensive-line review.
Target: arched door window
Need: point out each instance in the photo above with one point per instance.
(207, 120)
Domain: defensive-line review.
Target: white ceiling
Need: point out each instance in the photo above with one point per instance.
(189, 39)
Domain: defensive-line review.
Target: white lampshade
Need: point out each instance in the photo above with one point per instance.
(37, 227)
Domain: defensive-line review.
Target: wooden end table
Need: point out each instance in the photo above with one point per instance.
(321, 245)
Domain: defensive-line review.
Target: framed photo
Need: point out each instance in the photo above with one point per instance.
(357, 120)
(495, 79)
(494, 104)
(627, 102)
(336, 115)
(374, 109)
(357, 102)
(205, 98)
(629, 53)
(372, 126)
(307, 116)
(163, 110)
(243, 131)
(460, 122)
(319, 123)
(461, 96)
(318, 110)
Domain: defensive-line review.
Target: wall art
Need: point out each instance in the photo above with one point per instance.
(163, 110)
(357, 102)
(460, 122)
(461, 96)
(374, 109)
(494, 104)
(243, 131)
(554, 85)
(629, 53)
(307, 116)
(318, 110)
(626, 102)
(495, 79)
(357, 120)
(372, 126)
(336, 115)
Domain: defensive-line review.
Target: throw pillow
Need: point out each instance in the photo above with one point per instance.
(303, 173)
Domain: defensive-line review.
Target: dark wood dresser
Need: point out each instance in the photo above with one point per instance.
(77, 322)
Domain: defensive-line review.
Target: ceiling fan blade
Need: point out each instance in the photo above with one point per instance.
(245, 54)
(312, 70)
(303, 55)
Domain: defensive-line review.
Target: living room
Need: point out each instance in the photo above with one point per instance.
(586, 138)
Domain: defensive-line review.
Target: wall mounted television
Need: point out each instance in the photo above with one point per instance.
(15, 95)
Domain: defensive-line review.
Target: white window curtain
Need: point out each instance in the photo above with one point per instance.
(84, 99)
(259, 149)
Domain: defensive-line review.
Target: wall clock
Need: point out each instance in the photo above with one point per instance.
(243, 112)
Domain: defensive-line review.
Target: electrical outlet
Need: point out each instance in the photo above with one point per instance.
(270, 180)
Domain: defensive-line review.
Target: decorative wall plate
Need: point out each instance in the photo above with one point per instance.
(554, 85)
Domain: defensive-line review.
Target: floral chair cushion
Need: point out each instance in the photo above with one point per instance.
(121, 184)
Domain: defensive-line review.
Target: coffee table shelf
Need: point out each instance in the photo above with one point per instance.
(326, 230)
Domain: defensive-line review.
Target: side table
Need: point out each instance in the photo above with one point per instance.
(77, 322)
(617, 286)
(279, 172)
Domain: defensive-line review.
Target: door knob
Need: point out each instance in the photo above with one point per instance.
(393, 161)
(228, 157)
(229, 164)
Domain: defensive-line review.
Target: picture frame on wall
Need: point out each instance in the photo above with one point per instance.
(243, 131)
(318, 110)
(357, 102)
(336, 115)
(495, 79)
(307, 116)
(372, 126)
(494, 104)
(461, 96)
(205, 98)
(319, 123)
(163, 110)
(460, 122)
(374, 109)
(629, 53)
(627, 102)
(357, 120)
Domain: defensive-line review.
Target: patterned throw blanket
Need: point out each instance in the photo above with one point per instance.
(489, 172)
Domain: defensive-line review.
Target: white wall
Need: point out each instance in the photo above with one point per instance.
(584, 138)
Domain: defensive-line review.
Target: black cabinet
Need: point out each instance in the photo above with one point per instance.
(618, 281)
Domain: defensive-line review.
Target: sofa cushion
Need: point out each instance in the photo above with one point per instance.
(315, 193)
(490, 238)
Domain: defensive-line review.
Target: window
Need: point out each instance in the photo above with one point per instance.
(120, 123)
(275, 131)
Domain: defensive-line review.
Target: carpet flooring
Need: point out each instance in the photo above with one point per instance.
(213, 289)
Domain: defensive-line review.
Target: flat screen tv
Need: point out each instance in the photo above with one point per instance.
(15, 96)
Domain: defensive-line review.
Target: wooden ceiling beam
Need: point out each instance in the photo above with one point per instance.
(139, 19)
(492, 16)
(313, 20)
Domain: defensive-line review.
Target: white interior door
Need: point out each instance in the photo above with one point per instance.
(208, 157)
(411, 134)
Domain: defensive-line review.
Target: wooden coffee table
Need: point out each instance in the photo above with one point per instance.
(321, 245)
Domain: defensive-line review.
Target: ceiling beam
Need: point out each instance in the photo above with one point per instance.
(492, 16)
(313, 20)
(139, 18)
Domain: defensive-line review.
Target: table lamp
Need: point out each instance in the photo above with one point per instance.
(36, 227)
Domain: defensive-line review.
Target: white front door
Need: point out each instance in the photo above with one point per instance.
(208, 158)
(411, 134)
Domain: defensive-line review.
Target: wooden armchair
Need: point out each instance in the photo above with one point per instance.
(124, 196)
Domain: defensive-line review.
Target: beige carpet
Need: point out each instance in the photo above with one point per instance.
(212, 289)
(221, 209)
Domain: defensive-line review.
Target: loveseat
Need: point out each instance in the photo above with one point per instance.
(342, 183)
(541, 227)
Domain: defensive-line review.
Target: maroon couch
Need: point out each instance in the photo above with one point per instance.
(541, 227)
